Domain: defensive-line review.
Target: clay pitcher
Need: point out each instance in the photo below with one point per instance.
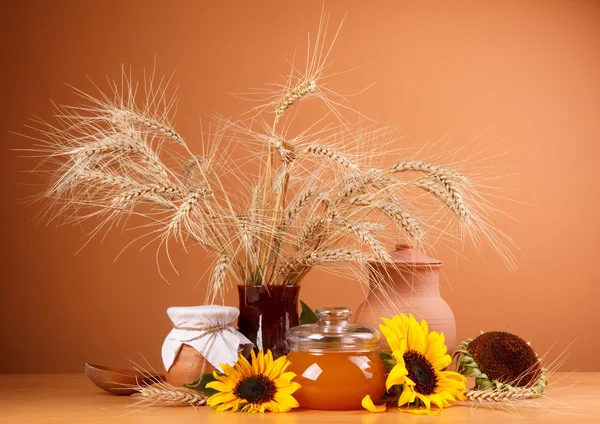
(409, 284)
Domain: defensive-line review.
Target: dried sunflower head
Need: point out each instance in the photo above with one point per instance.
(500, 360)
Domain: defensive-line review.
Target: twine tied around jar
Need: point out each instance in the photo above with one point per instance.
(206, 330)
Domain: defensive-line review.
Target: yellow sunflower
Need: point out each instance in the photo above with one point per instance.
(258, 387)
(421, 356)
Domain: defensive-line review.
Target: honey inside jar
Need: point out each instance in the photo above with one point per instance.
(337, 363)
(337, 380)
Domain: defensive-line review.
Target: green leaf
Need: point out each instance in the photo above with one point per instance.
(392, 395)
(388, 360)
(307, 316)
(200, 384)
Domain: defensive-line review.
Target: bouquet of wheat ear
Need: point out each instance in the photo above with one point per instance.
(316, 197)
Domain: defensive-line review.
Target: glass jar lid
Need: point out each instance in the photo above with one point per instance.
(333, 332)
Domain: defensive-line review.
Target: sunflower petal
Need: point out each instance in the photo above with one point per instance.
(415, 337)
(277, 367)
(284, 379)
(286, 400)
(220, 386)
(368, 404)
(424, 327)
(425, 399)
(435, 347)
(289, 388)
(408, 395)
(437, 400)
(396, 376)
(421, 411)
(243, 366)
(441, 362)
(221, 397)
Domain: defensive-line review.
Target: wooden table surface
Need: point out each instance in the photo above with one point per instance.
(71, 398)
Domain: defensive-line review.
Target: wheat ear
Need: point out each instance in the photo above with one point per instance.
(295, 208)
(294, 95)
(454, 195)
(220, 272)
(363, 234)
(481, 396)
(328, 152)
(153, 126)
(420, 166)
(443, 193)
(107, 179)
(325, 256)
(144, 190)
(165, 394)
(123, 143)
(403, 219)
(181, 217)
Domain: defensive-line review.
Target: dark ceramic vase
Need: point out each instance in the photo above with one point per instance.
(266, 314)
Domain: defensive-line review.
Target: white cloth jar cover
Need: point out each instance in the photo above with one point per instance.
(208, 329)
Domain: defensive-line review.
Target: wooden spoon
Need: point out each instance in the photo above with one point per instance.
(119, 381)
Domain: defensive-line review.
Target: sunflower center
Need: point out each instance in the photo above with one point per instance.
(505, 357)
(421, 372)
(256, 389)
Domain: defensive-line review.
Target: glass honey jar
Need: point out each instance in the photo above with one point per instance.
(337, 363)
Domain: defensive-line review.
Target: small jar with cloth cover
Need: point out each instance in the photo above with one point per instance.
(202, 338)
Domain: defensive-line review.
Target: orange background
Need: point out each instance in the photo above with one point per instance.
(524, 76)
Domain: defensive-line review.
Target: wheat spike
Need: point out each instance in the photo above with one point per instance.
(406, 221)
(311, 233)
(294, 95)
(454, 196)
(145, 190)
(442, 192)
(420, 166)
(220, 272)
(165, 394)
(492, 395)
(102, 178)
(328, 152)
(362, 233)
(119, 143)
(325, 256)
(403, 219)
(182, 215)
(295, 208)
(149, 124)
(355, 186)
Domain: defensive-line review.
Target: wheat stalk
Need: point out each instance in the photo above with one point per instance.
(165, 394)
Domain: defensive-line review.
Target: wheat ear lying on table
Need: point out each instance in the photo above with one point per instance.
(480, 396)
(165, 394)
